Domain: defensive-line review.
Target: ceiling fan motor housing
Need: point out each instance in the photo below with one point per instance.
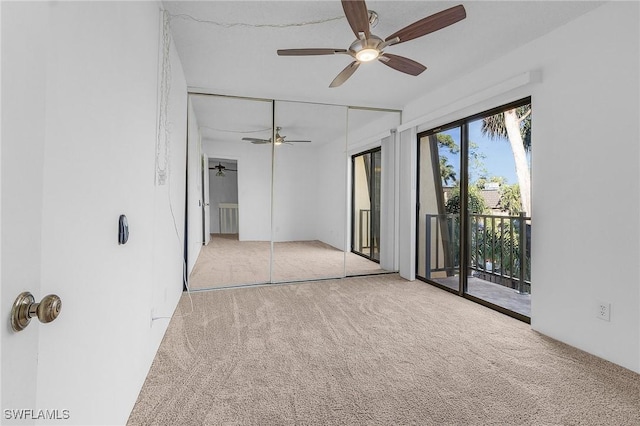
(365, 44)
(369, 47)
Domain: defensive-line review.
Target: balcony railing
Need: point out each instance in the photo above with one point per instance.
(228, 218)
(364, 221)
(499, 248)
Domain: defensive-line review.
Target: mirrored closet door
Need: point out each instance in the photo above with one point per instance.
(372, 220)
(276, 194)
(234, 135)
(309, 191)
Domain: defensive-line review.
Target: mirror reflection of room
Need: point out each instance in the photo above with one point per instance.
(275, 207)
(239, 191)
(372, 176)
(309, 194)
(223, 196)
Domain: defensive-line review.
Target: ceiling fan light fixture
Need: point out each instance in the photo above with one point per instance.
(366, 50)
(367, 54)
(279, 139)
(369, 47)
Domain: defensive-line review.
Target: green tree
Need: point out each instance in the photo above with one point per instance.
(446, 171)
(476, 201)
(482, 182)
(510, 199)
(515, 126)
(446, 141)
(476, 161)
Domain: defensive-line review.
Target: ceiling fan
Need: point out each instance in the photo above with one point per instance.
(220, 168)
(279, 139)
(368, 47)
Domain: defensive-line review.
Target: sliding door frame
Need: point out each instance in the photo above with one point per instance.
(464, 197)
(373, 199)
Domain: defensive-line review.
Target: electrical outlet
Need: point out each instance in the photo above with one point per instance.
(604, 311)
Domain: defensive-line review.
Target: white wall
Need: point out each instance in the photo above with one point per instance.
(366, 126)
(307, 203)
(86, 140)
(388, 216)
(407, 151)
(309, 190)
(23, 83)
(295, 183)
(585, 234)
(1, 280)
(331, 194)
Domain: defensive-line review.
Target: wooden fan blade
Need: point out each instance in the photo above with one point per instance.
(309, 52)
(345, 74)
(402, 64)
(430, 24)
(256, 140)
(357, 16)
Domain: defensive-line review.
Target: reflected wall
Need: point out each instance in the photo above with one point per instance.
(239, 251)
(290, 162)
(373, 188)
(309, 191)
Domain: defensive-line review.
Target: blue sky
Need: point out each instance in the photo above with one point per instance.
(498, 159)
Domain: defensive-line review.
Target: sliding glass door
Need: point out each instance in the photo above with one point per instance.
(499, 200)
(366, 169)
(474, 208)
(438, 215)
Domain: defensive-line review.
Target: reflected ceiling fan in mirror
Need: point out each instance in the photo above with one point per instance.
(279, 139)
(220, 168)
(368, 47)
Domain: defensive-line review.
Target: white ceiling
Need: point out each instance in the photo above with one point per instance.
(229, 47)
(229, 119)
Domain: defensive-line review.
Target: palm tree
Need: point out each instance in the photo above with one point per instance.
(447, 171)
(515, 126)
(510, 200)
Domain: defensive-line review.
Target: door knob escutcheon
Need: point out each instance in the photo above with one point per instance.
(25, 308)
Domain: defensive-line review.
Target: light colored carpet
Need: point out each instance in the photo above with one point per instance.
(371, 350)
(225, 262)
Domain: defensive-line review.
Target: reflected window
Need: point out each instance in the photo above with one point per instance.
(366, 169)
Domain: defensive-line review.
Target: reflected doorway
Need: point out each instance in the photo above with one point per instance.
(223, 198)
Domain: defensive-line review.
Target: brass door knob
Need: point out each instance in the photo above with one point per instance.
(25, 308)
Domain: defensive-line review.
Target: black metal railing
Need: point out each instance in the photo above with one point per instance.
(364, 220)
(499, 248)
